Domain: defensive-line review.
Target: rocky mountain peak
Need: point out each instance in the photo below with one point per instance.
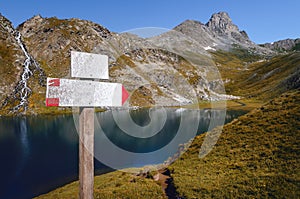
(221, 23)
(218, 33)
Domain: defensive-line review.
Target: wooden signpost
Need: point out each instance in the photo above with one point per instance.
(86, 94)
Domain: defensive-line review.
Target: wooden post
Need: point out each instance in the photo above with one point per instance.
(67, 92)
(86, 153)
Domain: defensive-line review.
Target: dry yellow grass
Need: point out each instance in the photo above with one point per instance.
(114, 185)
(257, 155)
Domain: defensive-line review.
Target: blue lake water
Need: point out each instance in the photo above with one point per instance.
(40, 153)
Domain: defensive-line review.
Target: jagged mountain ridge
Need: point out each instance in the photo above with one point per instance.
(284, 45)
(222, 24)
(153, 64)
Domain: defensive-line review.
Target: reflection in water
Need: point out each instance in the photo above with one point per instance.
(39, 154)
(25, 150)
(24, 137)
(121, 146)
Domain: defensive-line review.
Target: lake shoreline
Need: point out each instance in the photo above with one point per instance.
(238, 105)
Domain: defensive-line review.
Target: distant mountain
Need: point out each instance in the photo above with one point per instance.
(174, 68)
(219, 33)
(284, 45)
(222, 25)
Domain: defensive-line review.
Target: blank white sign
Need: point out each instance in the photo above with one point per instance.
(83, 93)
(88, 65)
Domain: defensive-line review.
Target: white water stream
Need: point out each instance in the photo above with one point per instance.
(22, 91)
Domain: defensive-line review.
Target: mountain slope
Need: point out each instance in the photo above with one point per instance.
(262, 79)
(11, 59)
(51, 40)
(178, 67)
(257, 156)
(284, 45)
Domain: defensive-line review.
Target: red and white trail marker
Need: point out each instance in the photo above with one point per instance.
(86, 93)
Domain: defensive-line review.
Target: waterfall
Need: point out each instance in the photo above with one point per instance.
(25, 91)
(22, 91)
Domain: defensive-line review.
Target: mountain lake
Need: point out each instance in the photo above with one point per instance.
(40, 153)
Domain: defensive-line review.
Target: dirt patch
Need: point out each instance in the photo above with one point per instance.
(166, 181)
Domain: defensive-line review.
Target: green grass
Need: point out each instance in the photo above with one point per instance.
(266, 80)
(256, 156)
(114, 185)
(241, 104)
(262, 80)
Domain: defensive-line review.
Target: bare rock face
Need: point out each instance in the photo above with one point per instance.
(221, 24)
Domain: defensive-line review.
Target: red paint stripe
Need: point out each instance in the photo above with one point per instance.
(54, 82)
(52, 101)
(125, 95)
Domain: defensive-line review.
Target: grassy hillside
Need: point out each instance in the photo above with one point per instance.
(257, 155)
(256, 77)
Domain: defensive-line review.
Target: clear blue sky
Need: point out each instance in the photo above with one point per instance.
(263, 20)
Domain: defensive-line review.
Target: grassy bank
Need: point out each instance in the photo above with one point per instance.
(257, 155)
(112, 186)
(241, 104)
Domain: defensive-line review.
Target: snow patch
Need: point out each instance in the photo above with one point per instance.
(209, 48)
(175, 96)
(218, 96)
